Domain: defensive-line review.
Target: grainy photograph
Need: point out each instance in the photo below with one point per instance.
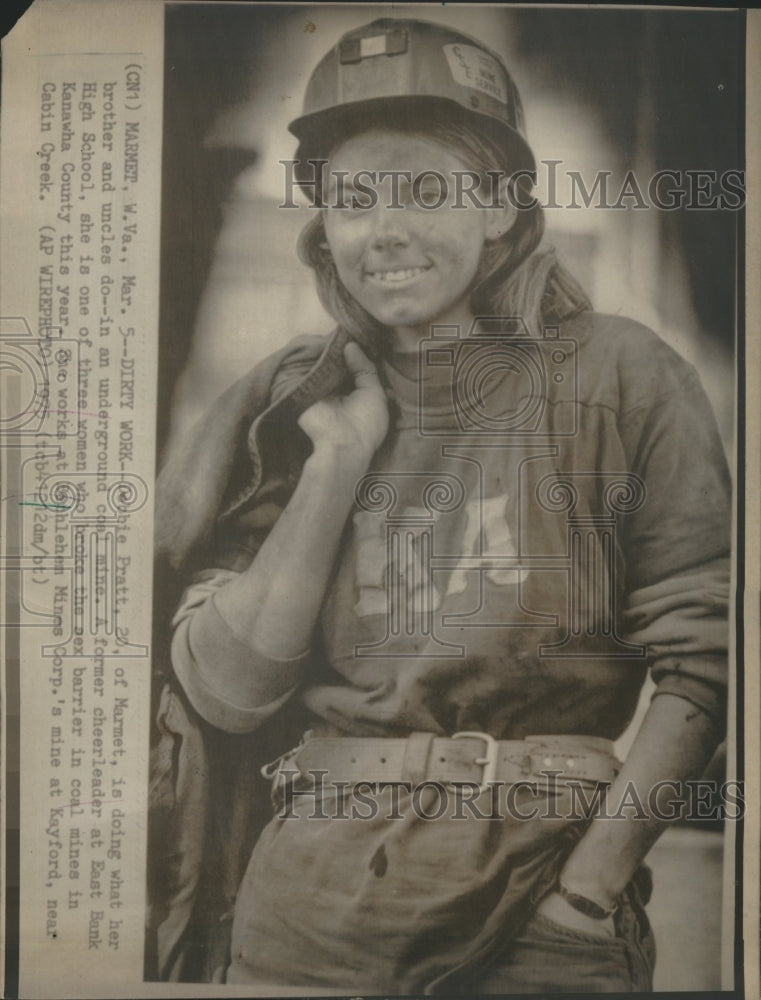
(379, 525)
(444, 692)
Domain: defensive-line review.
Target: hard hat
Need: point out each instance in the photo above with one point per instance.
(393, 68)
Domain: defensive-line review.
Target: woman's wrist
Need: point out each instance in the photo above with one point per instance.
(585, 904)
(592, 887)
(556, 908)
(333, 458)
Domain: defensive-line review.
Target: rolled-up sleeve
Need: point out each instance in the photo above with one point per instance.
(232, 685)
(682, 620)
(677, 542)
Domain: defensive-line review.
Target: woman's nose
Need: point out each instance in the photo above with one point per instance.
(388, 228)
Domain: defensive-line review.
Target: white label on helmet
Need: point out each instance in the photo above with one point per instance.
(475, 68)
(373, 46)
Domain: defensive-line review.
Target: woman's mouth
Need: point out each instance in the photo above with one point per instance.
(398, 276)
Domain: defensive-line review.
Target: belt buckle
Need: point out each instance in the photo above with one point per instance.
(487, 762)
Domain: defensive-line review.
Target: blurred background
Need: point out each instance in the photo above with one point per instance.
(615, 90)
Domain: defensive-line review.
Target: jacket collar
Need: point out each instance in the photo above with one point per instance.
(295, 393)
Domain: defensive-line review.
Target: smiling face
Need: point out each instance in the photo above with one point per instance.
(408, 266)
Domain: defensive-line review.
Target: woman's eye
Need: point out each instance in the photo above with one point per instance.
(361, 200)
(429, 195)
(349, 199)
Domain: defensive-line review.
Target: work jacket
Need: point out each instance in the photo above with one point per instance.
(207, 800)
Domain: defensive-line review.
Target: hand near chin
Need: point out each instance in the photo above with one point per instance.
(353, 425)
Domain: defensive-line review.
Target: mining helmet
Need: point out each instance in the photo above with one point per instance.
(395, 67)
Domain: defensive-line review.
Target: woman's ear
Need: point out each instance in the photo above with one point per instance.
(501, 217)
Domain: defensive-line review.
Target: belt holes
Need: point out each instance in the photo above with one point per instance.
(442, 760)
(383, 760)
(354, 760)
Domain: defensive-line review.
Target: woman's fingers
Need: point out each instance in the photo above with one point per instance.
(363, 371)
(358, 422)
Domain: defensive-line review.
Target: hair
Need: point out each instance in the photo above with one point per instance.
(514, 278)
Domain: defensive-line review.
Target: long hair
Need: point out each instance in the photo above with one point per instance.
(514, 277)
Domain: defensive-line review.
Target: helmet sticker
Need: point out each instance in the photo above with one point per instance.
(474, 68)
(374, 46)
(389, 43)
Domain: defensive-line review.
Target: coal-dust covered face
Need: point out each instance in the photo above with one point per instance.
(405, 241)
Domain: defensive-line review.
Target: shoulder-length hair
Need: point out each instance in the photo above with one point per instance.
(514, 278)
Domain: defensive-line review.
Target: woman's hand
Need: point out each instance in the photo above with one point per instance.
(560, 911)
(356, 424)
(273, 606)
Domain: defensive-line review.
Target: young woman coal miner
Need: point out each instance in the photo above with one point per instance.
(426, 566)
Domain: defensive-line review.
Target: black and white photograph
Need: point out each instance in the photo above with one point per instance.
(380, 567)
(444, 518)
